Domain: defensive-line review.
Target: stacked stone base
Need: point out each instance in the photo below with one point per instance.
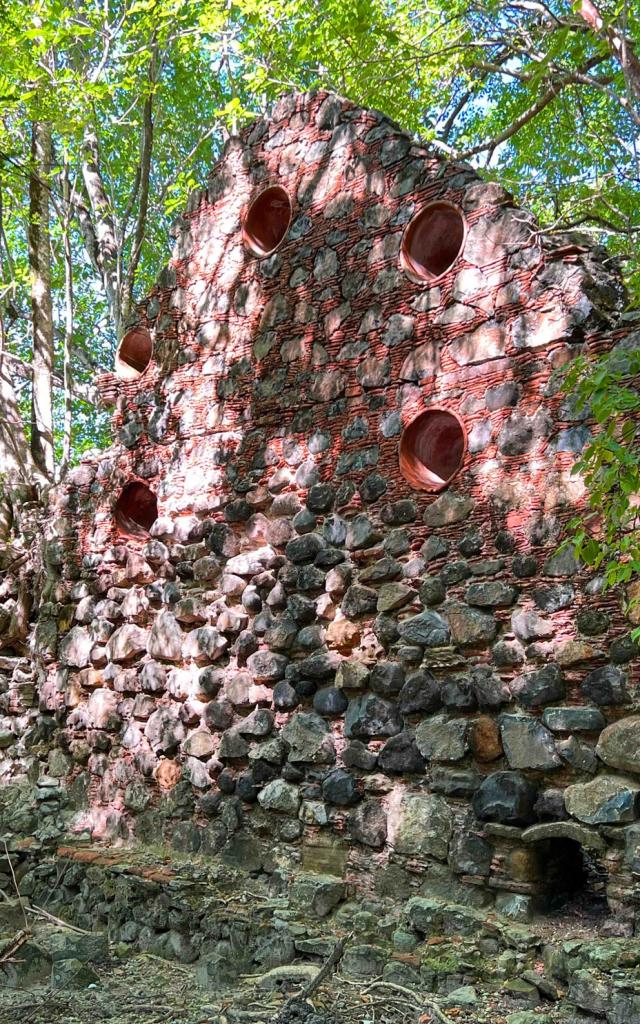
(230, 925)
(239, 912)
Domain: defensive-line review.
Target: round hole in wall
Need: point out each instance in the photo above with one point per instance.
(433, 241)
(136, 509)
(432, 449)
(134, 353)
(267, 220)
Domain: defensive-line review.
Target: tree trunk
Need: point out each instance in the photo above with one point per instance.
(68, 327)
(106, 249)
(41, 302)
(146, 148)
(16, 462)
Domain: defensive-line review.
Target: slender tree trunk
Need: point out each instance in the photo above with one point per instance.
(16, 461)
(146, 148)
(68, 327)
(41, 302)
(106, 242)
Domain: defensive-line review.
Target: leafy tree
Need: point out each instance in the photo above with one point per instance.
(608, 537)
(118, 92)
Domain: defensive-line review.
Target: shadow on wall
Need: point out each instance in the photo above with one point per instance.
(262, 369)
(360, 465)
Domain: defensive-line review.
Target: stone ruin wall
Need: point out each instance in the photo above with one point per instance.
(308, 661)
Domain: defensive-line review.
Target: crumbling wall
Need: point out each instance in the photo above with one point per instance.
(306, 658)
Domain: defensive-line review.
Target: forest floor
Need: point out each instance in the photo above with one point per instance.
(144, 989)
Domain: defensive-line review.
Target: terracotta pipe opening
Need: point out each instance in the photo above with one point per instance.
(267, 221)
(134, 354)
(432, 449)
(433, 241)
(136, 510)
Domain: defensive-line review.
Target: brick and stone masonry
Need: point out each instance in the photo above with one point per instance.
(310, 608)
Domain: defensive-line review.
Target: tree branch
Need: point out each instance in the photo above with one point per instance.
(135, 188)
(602, 85)
(547, 97)
(185, 161)
(17, 366)
(620, 47)
(596, 219)
(500, 59)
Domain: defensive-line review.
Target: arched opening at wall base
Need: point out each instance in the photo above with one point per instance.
(573, 881)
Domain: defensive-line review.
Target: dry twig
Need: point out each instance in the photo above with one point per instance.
(39, 912)
(415, 998)
(15, 884)
(13, 946)
(175, 967)
(333, 960)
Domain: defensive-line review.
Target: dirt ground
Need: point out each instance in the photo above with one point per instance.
(144, 989)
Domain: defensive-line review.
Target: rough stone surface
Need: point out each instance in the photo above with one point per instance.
(619, 745)
(401, 754)
(469, 626)
(372, 716)
(425, 827)
(279, 795)
(606, 800)
(308, 739)
(543, 686)
(572, 719)
(528, 744)
(605, 686)
(368, 824)
(126, 643)
(505, 797)
(304, 642)
(442, 739)
(166, 638)
(427, 629)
